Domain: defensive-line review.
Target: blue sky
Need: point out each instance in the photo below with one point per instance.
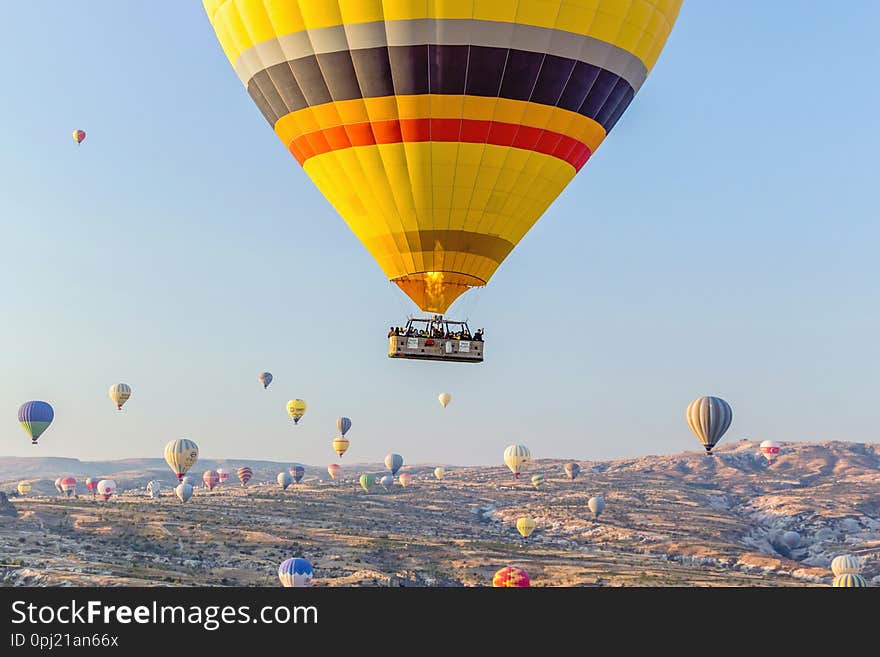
(722, 241)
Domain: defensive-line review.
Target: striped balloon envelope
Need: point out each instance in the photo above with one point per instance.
(510, 577)
(850, 580)
(441, 131)
(709, 418)
(35, 417)
(295, 573)
(846, 564)
(181, 455)
(297, 471)
(211, 479)
(244, 475)
(537, 481)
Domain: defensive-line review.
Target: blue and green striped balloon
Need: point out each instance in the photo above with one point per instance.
(35, 417)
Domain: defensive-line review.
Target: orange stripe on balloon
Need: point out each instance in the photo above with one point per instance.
(473, 131)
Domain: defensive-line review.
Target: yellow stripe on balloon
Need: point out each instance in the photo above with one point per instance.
(640, 27)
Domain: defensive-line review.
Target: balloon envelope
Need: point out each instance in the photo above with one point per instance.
(24, 488)
(709, 418)
(296, 408)
(441, 131)
(511, 576)
(119, 394)
(35, 417)
(343, 424)
(791, 539)
(405, 479)
(439, 473)
(106, 488)
(211, 479)
(181, 455)
(394, 462)
(68, 485)
(525, 526)
(387, 482)
(183, 492)
(333, 470)
(295, 573)
(340, 445)
(850, 580)
(244, 475)
(845, 564)
(79, 136)
(297, 472)
(517, 457)
(597, 505)
(265, 379)
(367, 481)
(537, 480)
(444, 398)
(770, 450)
(91, 484)
(153, 489)
(284, 480)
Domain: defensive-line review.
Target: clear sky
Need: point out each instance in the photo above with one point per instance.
(722, 241)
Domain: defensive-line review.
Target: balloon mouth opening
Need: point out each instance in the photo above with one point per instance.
(434, 291)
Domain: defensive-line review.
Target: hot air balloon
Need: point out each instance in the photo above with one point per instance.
(284, 480)
(572, 470)
(709, 418)
(517, 457)
(181, 455)
(295, 573)
(334, 469)
(244, 475)
(24, 488)
(537, 481)
(79, 136)
(439, 473)
(297, 472)
(296, 408)
(525, 526)
(394, 462)
(58, 484)
(35, 417)
(770, 450)
(405, 479)
(597, 505)
(183, 492)
(265, 379)
(92, 484)
(343, 424)
(845, 564)
(223, 475)
(791, 539)
(340, 445)
(106, 488)
(850, 580)
(387, 482)
(68, 486)
(511, 576)
(211, 479)
(441, 131)
(444, 398)
(119, 394)
(367, 481)
(154, 489)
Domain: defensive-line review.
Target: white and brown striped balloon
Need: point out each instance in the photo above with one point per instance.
(709, 418)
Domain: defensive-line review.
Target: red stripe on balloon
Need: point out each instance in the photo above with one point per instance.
(472, 131)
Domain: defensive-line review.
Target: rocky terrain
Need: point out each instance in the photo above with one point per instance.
(677, 520)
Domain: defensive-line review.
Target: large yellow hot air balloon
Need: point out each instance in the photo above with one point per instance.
(296, 408)
(442, 131)
(525, 526)
(181, 455)
(340, 445)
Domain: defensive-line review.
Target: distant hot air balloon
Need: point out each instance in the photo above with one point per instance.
(295, 573)
(850, 580)
(791, 539)
(439, 473)
(119, 394)
(572, 470)
(517, 457)
(343, 424)
(297, 472)
(244, 475)
(211, 479)
(106, 488)
(333, 470)
(444, 398)
(58, 484)
(35, 417)
(525, 526)
(183, 492)
(265, 379)
(92, 484)
(181, 455)
(296, 408)
(284, 480)
(394, 462)
(845, 564)
(770, 450)
(24, 488)
(154, 489)
(511, 576)
(223, 475)
(367, 481)
(68, 485)
(79, 136)
(597, 505)
(442, 131)
(405, 479)
(340, 445)
(387, 482)
(537, 481)
(709, 418)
